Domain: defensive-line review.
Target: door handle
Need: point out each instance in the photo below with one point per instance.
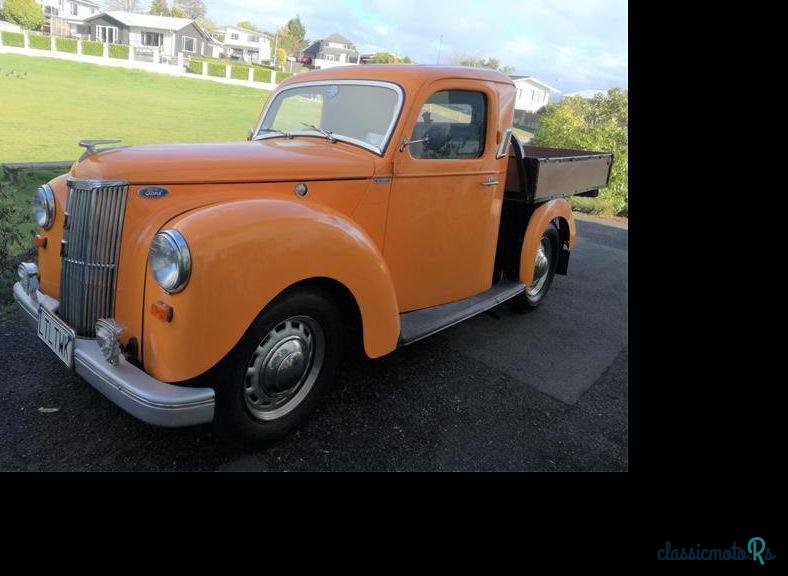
(489, 182)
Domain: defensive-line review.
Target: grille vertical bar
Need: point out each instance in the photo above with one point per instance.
(89, 264)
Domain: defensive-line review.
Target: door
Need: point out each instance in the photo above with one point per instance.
(445, 202)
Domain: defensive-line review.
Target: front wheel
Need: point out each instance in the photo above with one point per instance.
(280, 368)
(545, 263)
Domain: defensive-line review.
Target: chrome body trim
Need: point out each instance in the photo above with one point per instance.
(503, 147)
(379, 150)
(133, 390)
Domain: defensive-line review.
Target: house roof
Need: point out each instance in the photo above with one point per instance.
(533, 80)
(146, 20)
(337, 38)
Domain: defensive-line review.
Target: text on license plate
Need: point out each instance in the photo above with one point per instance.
(57, 335)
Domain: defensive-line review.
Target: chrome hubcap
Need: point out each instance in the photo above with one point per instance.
(541, 266)
(284, 367)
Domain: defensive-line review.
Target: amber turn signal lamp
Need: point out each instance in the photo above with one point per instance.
(40, 241)
(162, 311)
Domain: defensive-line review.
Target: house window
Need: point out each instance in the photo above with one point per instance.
(234, 36)
(155, 39)
(329, 57)
(50, 11)
(189, 43)
(253, 38)
(74, 9)
(454, 121)
(107, 34)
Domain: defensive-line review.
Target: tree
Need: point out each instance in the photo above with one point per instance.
(159, 8)
(599, 123)
(178, 12)
(193, 8)
(281, 57)
(292, 36)
(491, 63)
(26, 13)
(246, 25)
(387, 58)
(206, 24)
(124, 5)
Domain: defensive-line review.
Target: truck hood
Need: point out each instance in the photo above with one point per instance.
(269, 160)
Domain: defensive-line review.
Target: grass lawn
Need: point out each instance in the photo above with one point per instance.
(57, 103)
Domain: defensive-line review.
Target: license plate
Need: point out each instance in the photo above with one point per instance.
(57, 335)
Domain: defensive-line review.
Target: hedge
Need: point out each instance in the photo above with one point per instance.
(120, 51)
(216, 69)
(40, 42)
(90, 48)
(262, 75)
(240, 72)
(13, 39)
(195, 66)
(280, 76)
(66, 45)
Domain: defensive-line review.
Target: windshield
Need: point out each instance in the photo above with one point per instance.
(358, 113)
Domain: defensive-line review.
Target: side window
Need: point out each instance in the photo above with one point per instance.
(454, 123)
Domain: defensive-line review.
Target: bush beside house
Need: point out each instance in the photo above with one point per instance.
(15, 39)
(40, 42)
(27, 13)
(91, 48)
(120, 51)
(66, 45)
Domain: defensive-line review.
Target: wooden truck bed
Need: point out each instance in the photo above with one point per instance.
(538, 174)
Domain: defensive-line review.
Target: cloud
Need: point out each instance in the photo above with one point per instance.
(571, 44)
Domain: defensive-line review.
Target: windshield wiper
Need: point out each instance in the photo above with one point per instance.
(282, 132)
(327, 133)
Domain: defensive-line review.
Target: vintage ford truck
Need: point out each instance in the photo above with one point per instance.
(371, 206)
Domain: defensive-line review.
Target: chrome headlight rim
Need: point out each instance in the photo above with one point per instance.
(45, 201)
(179, 249)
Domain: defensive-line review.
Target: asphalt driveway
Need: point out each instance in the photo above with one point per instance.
(545, 390)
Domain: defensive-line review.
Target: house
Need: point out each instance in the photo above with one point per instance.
(532, 94)
(335, 50)
(66, 17)
(147, 33)
(242, 44)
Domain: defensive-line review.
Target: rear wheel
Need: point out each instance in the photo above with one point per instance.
(281, 367)
(545, 263)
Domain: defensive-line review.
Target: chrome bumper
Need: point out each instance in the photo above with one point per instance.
(126, 385)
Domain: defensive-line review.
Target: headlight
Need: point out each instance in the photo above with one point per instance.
(44, 207)
(170, 261)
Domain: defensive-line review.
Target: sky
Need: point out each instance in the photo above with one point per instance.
(570, 44)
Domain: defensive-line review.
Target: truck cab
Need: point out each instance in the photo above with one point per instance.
(371, 206)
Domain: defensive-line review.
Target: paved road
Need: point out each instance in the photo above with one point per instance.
(542, 391)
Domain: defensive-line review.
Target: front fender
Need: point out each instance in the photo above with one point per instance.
(244, 254)
(541, 217)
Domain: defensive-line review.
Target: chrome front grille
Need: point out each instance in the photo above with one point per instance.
(90, 252)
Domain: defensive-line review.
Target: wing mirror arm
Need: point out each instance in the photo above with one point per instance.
(407, 142)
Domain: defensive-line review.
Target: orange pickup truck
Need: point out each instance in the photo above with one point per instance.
(370, 206)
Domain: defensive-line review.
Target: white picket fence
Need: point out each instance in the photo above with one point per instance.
(176, 68)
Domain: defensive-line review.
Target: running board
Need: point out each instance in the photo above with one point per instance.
(422, 323)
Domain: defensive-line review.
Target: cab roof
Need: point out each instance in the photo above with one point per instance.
(401, 73)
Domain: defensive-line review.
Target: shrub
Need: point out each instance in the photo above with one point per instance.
(215, 69)
(280, 76)
(40, 42)
(239, 72)
(90, 48)
(66, 45)
(26, 13)
(262, 75)
(13, 39)
(598, 124)
(120, 51)
(195, 66)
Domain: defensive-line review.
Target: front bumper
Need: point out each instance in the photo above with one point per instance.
(126, 385)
